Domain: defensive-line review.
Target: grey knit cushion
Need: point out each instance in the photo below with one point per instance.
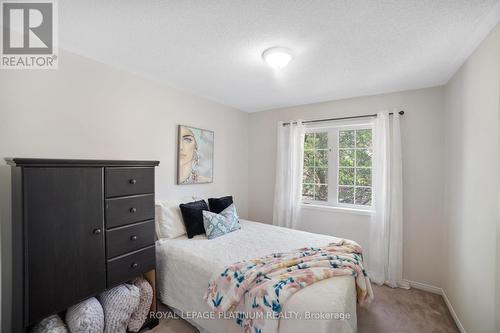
(52, 324)
(146, 298)
(119, 303)
(86, 316)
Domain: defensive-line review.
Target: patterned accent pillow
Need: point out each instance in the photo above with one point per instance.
(220, 224)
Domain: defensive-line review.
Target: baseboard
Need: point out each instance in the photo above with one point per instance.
(425, 287)
(439, 291)
(453, 313)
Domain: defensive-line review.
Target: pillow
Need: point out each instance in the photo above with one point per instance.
(220, 224)
(52, 324)
(169, 219)
(193, 217)
(119, 303)
(217, 205)
(86, 316)
(145, 299)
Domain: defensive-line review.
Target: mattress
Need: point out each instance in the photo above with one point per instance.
(185, 267)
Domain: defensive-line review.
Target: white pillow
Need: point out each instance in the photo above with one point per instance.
(118, 304)
(145, 299)
(169, 222)
(86, 316)
(52, 324)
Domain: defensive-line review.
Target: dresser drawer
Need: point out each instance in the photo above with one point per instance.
(122, 211)
(129, 238)
(126, 267)
(129, 181)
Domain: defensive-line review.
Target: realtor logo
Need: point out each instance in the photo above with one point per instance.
(29, 35)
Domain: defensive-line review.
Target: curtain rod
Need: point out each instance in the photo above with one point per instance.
(343, 118)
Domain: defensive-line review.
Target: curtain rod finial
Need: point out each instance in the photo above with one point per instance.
(401, 112)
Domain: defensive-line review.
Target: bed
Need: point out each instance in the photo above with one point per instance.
(185, 267)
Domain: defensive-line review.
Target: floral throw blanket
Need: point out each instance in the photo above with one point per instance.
(253, 291)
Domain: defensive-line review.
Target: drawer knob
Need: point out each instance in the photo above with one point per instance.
(134, 237)
(97, 231)
(134, 265)
(132, 181)
(133, 210)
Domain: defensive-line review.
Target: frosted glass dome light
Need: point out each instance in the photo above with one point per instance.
(277, 57)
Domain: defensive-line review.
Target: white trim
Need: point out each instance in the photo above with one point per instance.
(439, 291)
(425, 287)
(337, 209)
(453, 313)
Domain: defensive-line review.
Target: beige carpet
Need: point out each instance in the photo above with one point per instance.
(393, 310)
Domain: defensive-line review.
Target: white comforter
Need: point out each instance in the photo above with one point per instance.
(185, 267)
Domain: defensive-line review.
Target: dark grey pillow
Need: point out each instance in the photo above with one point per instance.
(192, 215)
(217, 205)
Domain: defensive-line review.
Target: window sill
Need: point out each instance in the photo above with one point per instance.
(356, 211)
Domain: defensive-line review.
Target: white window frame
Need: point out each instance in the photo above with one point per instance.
(333, 129)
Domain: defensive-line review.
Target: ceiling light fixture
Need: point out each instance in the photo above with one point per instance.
(277, 57)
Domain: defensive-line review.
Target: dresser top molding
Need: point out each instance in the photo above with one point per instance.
(49, 162)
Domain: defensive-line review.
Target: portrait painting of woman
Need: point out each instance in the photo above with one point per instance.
(195, 155)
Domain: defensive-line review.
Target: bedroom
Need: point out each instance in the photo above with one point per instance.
(167, 102)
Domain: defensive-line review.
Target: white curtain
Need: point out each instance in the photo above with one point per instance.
(289, 164)
(385, 255)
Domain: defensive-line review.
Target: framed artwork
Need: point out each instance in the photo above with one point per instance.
(195, 156)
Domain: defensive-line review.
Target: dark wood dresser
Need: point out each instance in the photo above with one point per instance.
(79, 227)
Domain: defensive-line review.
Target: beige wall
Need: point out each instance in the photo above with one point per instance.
(472, 108)
(497, 279)
(90, 110)
(422, 140)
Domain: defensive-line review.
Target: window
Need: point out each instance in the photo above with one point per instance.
(355, 167)
(338, 166)
(315, 179)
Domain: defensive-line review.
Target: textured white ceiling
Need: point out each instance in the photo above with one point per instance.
(342, 48)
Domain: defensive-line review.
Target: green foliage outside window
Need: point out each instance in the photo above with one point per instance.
(315, 176)
(355, 172)
(354, 178)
